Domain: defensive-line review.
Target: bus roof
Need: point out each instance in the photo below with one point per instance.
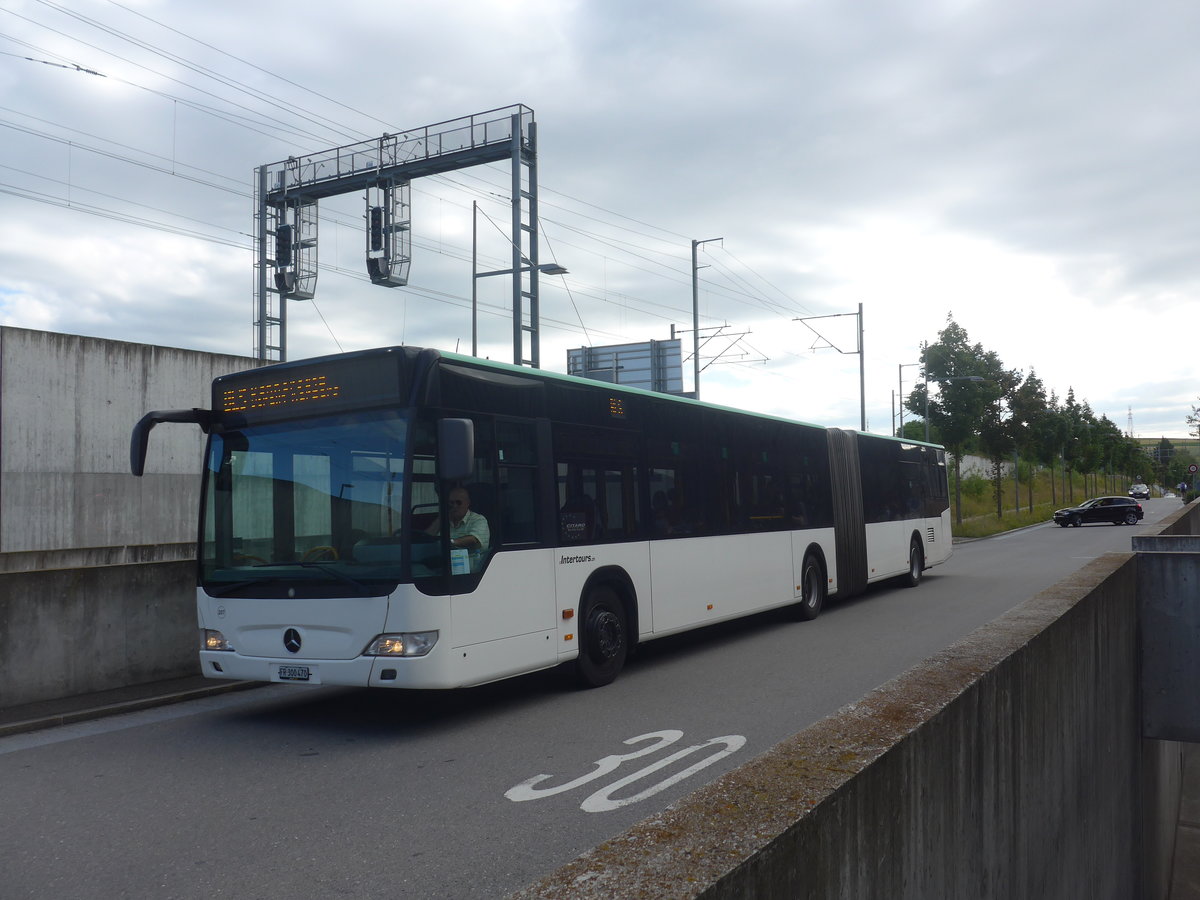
(412, 353)
(509, 368)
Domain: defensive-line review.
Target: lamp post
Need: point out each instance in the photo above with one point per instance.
(474, 280)
(544, 268)
(901, 369)
(696, 315)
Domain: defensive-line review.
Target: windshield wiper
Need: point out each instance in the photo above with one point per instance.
(363, 589)
(236, 586)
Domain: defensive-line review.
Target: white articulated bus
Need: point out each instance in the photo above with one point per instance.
(613, 516)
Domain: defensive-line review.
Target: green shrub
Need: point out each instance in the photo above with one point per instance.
(976, 488)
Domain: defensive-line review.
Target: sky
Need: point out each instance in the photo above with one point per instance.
(1029, 169)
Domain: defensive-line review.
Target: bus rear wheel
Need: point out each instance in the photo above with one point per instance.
(603, 638)
(812, 589)
(916, 564)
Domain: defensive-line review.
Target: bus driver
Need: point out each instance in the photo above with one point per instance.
(468, 529)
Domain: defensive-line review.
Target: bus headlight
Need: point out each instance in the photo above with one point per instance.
(412, 643)
(213, 640)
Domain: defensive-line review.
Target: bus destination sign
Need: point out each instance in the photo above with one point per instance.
(324, 386)
(290, 392)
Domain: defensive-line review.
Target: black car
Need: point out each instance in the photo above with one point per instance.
(1117, 510)
(1139, 491)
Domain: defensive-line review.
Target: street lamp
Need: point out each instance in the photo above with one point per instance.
(544, 269)
(696, 316)
(901, 368)
(949, 378)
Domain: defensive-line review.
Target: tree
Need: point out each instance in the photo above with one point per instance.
(1179, 468)
(1050, 438)
(1030, 416)
(1073, 446)
(961, 404)
(1107, 443)
(1162, 453)
(970, 402)
(997, 439)
(1194, 421)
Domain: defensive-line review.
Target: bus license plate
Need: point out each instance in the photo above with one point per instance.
(294, 673)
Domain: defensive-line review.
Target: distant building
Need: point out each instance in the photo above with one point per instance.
(651, 365)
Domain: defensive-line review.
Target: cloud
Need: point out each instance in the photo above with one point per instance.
(1026, 166)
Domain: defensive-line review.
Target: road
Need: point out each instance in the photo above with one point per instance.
(304, 792)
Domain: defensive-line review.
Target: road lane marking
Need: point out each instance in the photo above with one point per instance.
(602, 799)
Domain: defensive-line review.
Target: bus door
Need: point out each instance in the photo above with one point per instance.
(506, 589)
(600, 520)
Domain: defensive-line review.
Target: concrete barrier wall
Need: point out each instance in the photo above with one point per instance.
(1006, 766)
(96, 568)
(69, 628)
(1162, 789)
(67, 407)
(1009, 765)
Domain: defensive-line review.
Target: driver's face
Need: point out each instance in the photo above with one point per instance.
(459, 504)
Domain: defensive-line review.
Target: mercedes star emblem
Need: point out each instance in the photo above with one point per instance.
(291, 640)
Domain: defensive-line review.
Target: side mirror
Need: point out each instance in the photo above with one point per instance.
(141, 431)
(456, 449)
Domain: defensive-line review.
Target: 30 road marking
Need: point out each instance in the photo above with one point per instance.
(602, 800)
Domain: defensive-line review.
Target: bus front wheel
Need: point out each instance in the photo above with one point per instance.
(812, 589)
(603, 638)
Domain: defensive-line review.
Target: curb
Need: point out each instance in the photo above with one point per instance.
(70, 717)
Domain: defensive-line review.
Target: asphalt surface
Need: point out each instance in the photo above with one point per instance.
(1185, 882)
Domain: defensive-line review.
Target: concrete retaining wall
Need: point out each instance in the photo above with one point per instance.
(96, 567)
(67, 406)
(1009, 765)
(69, 628)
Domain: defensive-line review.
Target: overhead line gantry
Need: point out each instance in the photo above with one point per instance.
(287, 193)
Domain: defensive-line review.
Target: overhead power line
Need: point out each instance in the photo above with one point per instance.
(249, 64)
(191, 66)
(120, 217)
(633, 244)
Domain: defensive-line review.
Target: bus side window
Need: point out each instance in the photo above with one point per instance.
(810, 494)
(516, 452)
(482, 498)
(424, 479)
(578, 519)
(677, 442)
(518, 506)
(597, 503)
(621, 503)
(596, 472)
(664, 502)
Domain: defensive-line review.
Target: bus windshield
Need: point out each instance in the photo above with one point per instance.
(312, 507)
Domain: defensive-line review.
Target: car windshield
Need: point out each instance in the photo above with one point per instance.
(308, 502)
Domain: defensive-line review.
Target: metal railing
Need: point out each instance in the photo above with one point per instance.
(490, 130)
